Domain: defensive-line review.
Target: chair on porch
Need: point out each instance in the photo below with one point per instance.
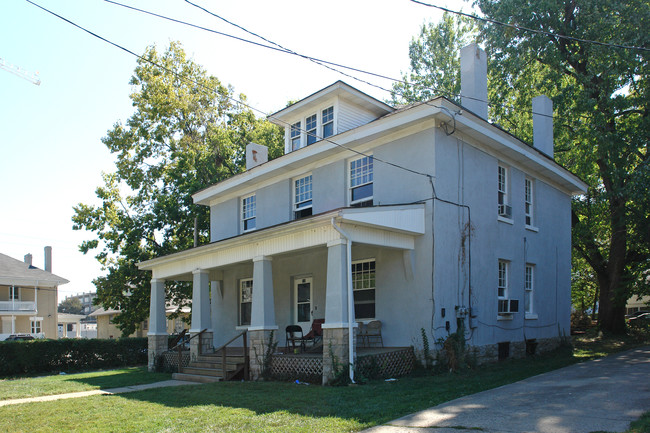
(372, 334)
(295, 338)
(315, 334)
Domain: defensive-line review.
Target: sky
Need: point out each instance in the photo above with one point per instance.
(51, 153)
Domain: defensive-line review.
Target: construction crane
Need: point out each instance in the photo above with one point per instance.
(32, 78)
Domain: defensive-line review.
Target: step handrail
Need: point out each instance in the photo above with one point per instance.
(223, 355)
(182, 343)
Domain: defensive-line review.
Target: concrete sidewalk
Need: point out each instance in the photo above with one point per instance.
(121, 390)
(601, 395)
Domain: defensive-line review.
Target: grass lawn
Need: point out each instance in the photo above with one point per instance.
(280, 407)
(61, 384)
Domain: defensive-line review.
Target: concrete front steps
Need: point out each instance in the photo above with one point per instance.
(209, 368)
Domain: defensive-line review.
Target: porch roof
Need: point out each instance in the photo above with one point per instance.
(394, 226)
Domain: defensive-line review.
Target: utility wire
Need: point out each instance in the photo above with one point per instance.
(236, 101)
(324, 63)
(527, 29)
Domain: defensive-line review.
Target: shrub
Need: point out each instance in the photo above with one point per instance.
(46, 356)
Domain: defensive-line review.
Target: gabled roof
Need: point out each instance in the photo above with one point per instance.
(16, 272)
(339, 88)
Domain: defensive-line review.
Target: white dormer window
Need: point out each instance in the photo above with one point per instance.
(328, 122)
(248, 211)
(302, 197)
(310, 125)
(295, 136)
(361, 179)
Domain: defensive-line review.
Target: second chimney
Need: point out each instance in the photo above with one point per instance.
(48, 259)
(473, 80)
(28, 259)
(256, 154)
(543, 124)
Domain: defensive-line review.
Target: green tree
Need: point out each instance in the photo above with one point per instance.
(185, 134)
(435, 61)
(71, 306)
(601, 98)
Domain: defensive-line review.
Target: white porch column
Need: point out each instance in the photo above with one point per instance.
(263, 308)
(201, 301)
(157, 334)
(336, 332)
(201, 314)
(262, 329)
(336, 295)
(216, 299)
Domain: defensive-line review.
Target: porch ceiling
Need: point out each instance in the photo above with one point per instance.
(386, 226)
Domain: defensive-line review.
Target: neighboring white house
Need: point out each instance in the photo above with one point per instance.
(71, 326)
(28, 297)
(423, 217)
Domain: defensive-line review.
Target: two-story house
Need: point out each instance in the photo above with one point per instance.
(28, 297)
(422, 217)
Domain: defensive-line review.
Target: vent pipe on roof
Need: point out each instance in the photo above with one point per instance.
(48, 259)
(256, 154)
(543, 124)
(28, 259)
(473, 80)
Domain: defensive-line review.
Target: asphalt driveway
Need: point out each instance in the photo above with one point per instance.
(601, 395)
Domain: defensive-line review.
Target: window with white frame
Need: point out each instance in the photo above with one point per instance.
(14, 293)
(302, 197)
(528, 200)
(361, 181)
(245, 301)
(328, 122)
(310, 126)
(36, 326)
(528, 288)
(502, 285)
(363, 285)
(295, 136)
(504, 209)
(248, 205)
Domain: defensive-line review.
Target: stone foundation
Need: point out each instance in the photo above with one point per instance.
(335, 348)
(258, 342)
(518, 349)
(157, 345)
(205, 344)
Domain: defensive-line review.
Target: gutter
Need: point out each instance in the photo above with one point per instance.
(350, 298)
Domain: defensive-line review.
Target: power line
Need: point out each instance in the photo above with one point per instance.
(321, 62)
(527, 29)
(204, 87)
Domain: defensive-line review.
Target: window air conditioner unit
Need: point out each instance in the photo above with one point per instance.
(508, 306)
(505, 211)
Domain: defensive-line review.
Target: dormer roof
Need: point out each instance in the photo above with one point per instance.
(340, 89)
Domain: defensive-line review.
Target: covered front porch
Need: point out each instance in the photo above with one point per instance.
(290, 274)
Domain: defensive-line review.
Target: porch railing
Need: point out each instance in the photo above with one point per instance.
(246, 357)
(17, 306)
(179, 348)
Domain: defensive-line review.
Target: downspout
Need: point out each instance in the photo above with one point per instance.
(350, 298)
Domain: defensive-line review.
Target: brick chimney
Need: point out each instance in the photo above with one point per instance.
(543, 124)
(256, 154)
(48, 259)
(473, 80)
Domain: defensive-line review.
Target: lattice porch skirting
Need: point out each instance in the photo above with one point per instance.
(170, 359)
(393, 363)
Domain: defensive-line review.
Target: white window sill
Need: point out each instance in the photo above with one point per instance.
(504, 317)
(242, 328)
(505, 220)
(531, 316)
(532, 228)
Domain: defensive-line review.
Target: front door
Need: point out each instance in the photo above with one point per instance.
(303, 303)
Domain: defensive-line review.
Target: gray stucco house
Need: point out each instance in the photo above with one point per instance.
(422, 217)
